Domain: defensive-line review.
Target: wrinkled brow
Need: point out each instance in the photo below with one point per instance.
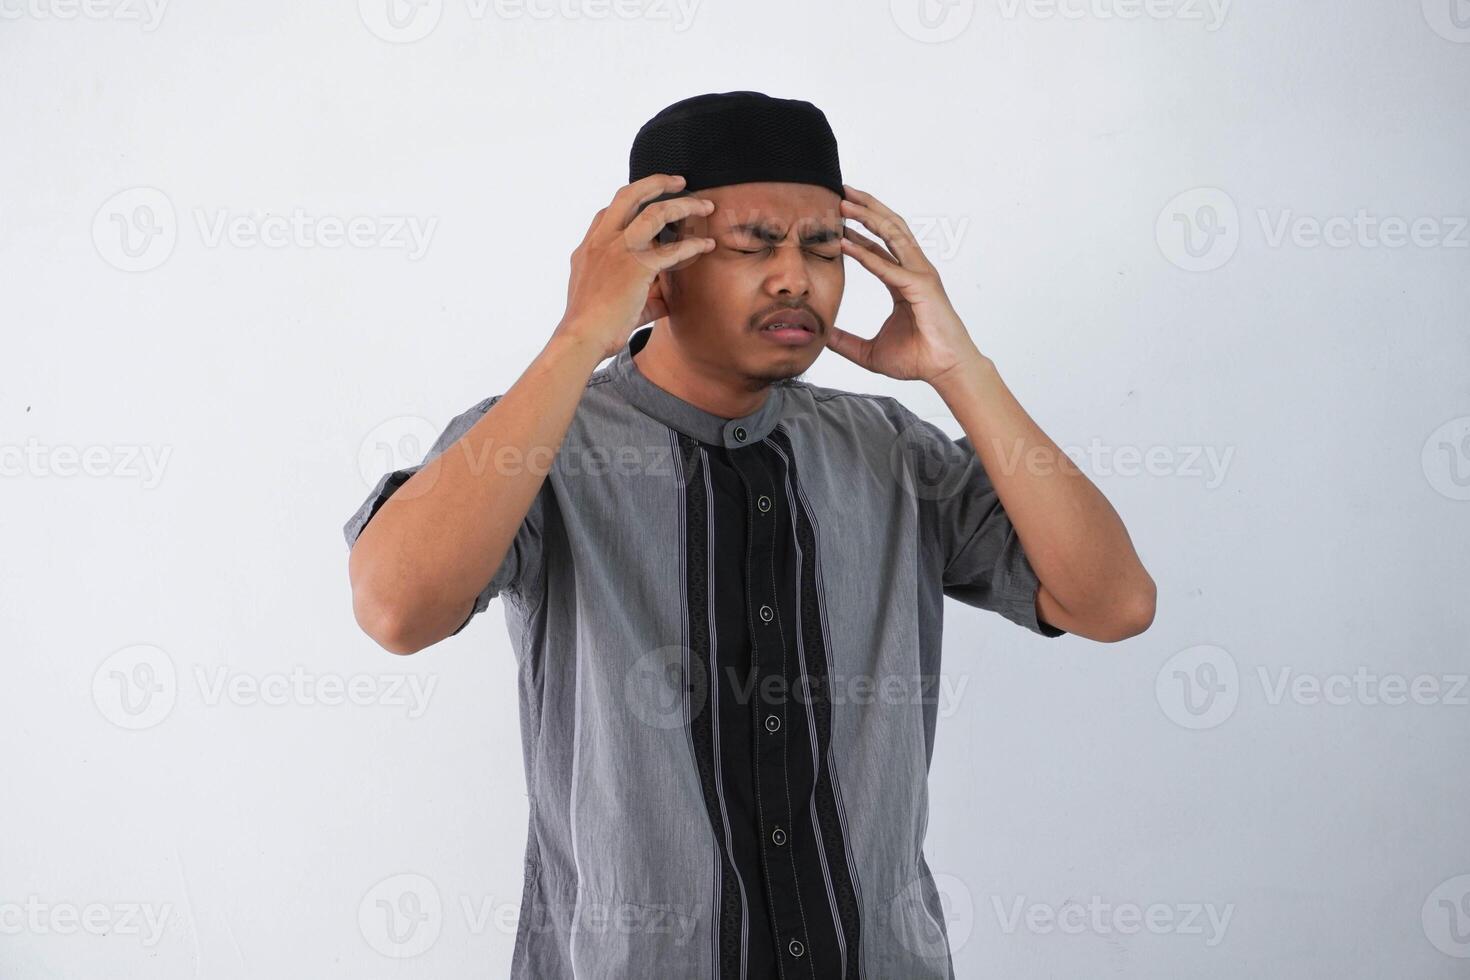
(769, 233)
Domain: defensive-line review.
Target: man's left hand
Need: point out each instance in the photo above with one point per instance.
(923, 337)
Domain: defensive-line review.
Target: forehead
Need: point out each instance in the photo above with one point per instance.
(774, 203)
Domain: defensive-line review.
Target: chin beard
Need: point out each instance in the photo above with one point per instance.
(757, 382)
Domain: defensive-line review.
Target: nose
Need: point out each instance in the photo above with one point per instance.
(787, 275)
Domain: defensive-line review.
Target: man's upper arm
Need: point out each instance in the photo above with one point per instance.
(519, 572)
(984, 563)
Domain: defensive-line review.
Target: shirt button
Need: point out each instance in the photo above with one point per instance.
(739, 433)
(772, 723)
(767, 614)
(763, 503)
(779, 836)
(796, 947)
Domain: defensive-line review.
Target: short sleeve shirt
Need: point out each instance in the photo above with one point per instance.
(728, 640)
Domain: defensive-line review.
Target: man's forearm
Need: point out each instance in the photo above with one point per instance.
(1092, 577)
(418, 565)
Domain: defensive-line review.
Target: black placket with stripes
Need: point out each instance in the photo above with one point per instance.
(785, 891)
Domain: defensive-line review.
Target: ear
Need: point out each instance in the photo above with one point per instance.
(657, 306)
(666, 282)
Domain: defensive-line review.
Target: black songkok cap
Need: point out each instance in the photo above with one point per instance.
(735, 138)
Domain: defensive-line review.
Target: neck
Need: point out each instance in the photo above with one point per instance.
(663, 361)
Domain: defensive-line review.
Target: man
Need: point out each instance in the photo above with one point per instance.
(717, 575)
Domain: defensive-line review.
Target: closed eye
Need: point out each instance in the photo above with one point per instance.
(824, 258)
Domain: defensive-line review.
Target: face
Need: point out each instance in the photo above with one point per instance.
(776, 252)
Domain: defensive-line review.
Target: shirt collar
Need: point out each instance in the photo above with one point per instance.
(690, 419)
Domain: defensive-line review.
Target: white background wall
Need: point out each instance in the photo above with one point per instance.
(1306, 513)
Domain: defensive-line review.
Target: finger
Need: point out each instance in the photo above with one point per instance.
(866, 200)
(848, 231)
(853, 236)
(643, 228)
(592, 228)
(631, 197)
(666, 256)
(890, 274)
(894, 231)
(856, 349)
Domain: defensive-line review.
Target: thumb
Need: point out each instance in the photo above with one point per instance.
(850, 346)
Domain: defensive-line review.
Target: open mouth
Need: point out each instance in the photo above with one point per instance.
(790, 320)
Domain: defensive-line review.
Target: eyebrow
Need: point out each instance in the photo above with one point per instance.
(767, 233)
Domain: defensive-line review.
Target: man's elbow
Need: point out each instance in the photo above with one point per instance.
(388, 627)
(1136, 613)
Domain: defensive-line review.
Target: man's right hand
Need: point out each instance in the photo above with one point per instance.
(613, 288)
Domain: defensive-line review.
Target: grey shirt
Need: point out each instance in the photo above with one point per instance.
(728, 639)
